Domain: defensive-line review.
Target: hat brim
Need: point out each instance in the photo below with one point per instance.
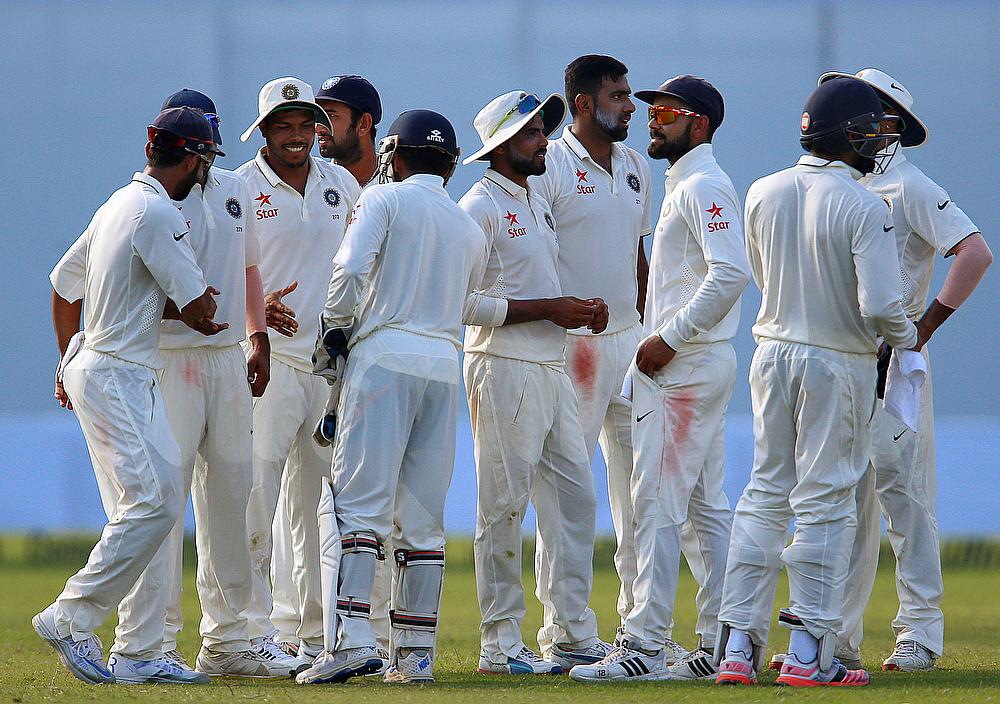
(319, 112)
(914, 131)
(553, 111)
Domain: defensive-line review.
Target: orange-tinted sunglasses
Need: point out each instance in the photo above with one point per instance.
(664, 115)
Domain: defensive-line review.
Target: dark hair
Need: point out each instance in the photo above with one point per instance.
(425, 160)
(165, 157)
(585, 75)
(356, 117)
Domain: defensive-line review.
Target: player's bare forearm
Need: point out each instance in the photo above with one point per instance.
(566, 311)
(65, 320)
(171, 311)
(642, 280)
(259, 363)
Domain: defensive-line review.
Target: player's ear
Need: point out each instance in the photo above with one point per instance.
(364, 124)
(149, 149)
(584, 103)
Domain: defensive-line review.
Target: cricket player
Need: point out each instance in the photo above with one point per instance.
(822, 251)
(133, 257)
(902, 474)
(682, 381)
(299, 210)
(525, 423)
(410, 260)
(599, 193)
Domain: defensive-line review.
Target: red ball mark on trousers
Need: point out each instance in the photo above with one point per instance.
(677, 429)
(191, 374)
(583, 364)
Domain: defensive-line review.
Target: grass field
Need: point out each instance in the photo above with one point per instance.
(969, 672)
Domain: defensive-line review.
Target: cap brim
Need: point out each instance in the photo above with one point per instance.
(553, 111)
(319, 112)
(914, 130)
(650, 96)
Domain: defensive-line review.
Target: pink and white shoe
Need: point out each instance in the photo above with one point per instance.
(798, 674)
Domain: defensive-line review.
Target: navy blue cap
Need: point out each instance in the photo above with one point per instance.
(355, 91)
(836, 101)
(424, 128)
(189, 128)
(698, 93)
(187, 97)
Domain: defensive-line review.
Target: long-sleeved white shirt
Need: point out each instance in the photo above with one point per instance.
(823, 252)
(522, 265)
(600, 219)
(130, 259)
(927, 222)
(698, 265)
(409, 260)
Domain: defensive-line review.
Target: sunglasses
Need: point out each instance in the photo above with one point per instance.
(213, 119)
(525, 105)
(664, 115)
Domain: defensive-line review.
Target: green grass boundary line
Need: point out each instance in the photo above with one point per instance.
(48, 549)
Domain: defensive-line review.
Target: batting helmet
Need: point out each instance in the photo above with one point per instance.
(417, 129)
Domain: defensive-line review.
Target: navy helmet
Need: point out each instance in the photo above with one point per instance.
(417, 129)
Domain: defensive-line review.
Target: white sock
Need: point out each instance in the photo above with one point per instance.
(803, 646)
(739, 643)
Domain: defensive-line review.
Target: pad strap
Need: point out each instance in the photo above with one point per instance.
(349, 606)
(363, 543)
(413, 620)
(418, 557)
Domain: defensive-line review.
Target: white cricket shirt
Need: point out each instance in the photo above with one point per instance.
(926, 220)
(132, 257)
(298, 237)
(822, 250)
(409, 260)
(600, 219)
(216, 219)
(698, 264)
(522, 265)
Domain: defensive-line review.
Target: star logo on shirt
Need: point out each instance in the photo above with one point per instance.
(263, 200)
(715, 210)
(511, 218)
(581, 176)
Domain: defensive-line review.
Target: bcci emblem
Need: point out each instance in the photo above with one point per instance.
(234, 208)
(330, 83)
(290, 91)
(633, 182)
(548, 221)
(332, 197)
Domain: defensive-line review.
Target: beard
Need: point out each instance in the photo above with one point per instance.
(671, 149)
(527, 166)
(346, 151)
(184, 187)
(611, 127)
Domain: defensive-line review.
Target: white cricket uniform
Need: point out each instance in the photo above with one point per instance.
(528, 440)
(697, 271)
(601, 218)
(132, 257)
(902, 478)
(821, 251)
(298, 237)
(410, 259)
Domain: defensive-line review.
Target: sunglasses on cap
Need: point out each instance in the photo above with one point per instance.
(664, 115)
(213, 119)
(525, 105)
(168, 140)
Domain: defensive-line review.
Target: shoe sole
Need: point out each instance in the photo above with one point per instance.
(651, 677)
(59, 645)
(156, 680)
(365, 669)
(893, 667)
(793, 681)
(731, 680)
(416, 680)
(481, 671)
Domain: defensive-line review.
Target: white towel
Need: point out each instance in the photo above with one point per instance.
(907, 373)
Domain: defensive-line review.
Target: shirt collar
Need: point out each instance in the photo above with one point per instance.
(274, 179)
(513, 190)
(432, 180)
(822, 162)
(151, 181)
(691, 162)
(576, 146)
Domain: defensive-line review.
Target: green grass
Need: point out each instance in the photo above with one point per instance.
(969, 672)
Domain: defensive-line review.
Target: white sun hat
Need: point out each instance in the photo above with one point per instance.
(504, 116)
(286, 94)
(890, 90)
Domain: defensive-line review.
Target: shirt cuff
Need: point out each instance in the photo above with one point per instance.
(669, 335)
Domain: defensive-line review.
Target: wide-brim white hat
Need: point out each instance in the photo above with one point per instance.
(286, 94)
(500, 119)
(914, 132)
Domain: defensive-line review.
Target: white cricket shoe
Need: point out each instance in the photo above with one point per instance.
(909, 656)
(160, 670)
(416, 668)
(306, 654)
(568, 658)
(527, 662)
(83, 658)
(333, 668)
(177, 658)
(254, 664)
(675, 651)
(384, 655)
(623, 665)
(696, 665)
(852, 661)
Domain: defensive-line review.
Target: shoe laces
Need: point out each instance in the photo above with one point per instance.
(695, 654)
(165, 663)
(529, 655)
(907, 648)
(89, 648)
(676, 648)
(622, 652)
(270, 650)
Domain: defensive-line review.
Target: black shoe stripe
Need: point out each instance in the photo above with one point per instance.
(701, 668)
(629, 668)
(641, 666)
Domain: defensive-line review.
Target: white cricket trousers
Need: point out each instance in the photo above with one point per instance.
(679, 435)
(902, 482)
(596, 365)
(283, 422)
(394, 456)
(137, 464)
(529, 445)
(812, 411)
(210, 410)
